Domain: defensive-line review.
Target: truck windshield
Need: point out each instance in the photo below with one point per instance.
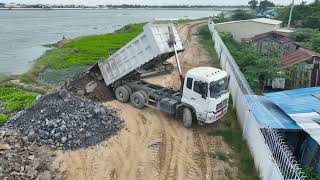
(217, 88)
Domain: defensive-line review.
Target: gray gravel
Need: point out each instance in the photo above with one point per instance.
(64, 121)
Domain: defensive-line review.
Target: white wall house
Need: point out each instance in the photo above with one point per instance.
(245, 29)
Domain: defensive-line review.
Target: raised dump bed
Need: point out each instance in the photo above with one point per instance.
(154, 45)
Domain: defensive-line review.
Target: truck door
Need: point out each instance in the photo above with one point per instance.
(199, 99)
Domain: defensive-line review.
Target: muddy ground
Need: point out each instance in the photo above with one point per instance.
(153, 145)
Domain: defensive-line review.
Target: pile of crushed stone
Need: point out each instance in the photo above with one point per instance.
(20, 159)
(65, 121)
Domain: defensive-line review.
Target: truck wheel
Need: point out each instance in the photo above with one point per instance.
(138, 100)
(187, 117)
(122, 94)
(144, 94)
(129, 89)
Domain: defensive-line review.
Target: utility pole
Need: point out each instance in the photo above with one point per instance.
(290, 16)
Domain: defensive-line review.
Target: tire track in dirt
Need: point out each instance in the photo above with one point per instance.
(152, 145)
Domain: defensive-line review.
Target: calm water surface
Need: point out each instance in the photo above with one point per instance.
(24, 32)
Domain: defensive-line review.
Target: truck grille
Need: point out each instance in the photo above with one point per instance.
(222, 105)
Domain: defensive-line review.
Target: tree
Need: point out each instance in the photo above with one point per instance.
(256, 68)
(265, 4)
(253, 4)
(315, 43)
(221, 18)
(304, 15)
(240, 14)
(307, 37)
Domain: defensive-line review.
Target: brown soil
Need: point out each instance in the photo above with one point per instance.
(76, 86)
(154, 145)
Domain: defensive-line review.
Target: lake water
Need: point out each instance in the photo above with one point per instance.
(24, 32)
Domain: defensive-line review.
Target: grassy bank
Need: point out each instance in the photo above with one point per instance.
(82, 51)
(232, 132)
(206, 43)
(13, 100)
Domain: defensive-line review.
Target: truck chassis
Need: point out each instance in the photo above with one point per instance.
(141, 93)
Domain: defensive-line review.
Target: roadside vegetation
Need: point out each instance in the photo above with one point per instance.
(232, 135)
(311, 174)
(307, 37)
(241, 14)
(231, 132)
(304, 15)
(13, 100)
(256, 68)
(82, 51)
(206, 43)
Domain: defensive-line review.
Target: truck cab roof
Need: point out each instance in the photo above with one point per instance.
(206, 74)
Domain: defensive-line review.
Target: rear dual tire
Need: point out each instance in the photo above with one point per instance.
(138, 99)
(122, 94)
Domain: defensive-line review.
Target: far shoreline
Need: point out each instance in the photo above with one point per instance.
(54, 9)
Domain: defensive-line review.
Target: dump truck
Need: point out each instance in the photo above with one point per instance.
(144, 56)
(204, 93)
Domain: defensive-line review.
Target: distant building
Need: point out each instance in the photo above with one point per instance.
(307, 67)
(306, 62)
(2, 5)
(268, 43)
(247, 29)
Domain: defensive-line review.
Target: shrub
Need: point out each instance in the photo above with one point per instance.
(13, 100)
(255, 67)
(3, 119)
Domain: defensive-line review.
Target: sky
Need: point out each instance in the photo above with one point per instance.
(147, 2)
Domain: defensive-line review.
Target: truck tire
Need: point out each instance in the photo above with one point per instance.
(144, 94)
(129, 89)
(122, 94)
(187, 117)
(138, 100)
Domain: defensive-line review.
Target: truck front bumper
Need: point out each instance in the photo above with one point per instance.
(212, 117)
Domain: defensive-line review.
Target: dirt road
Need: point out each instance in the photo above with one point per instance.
(153, 145)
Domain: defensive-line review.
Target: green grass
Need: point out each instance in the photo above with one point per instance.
(231, 133)
(13, 100)
(220, 155)
(82, 51)
(3, 119)
(311, 173)
(207, 44)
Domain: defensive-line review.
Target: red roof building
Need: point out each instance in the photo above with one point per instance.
(300, 55)
(308, 62)
(268, 43)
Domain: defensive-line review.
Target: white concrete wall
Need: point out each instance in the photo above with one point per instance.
(245, 29)
(260, 147)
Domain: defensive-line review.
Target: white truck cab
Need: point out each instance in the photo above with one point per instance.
(205, 91)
